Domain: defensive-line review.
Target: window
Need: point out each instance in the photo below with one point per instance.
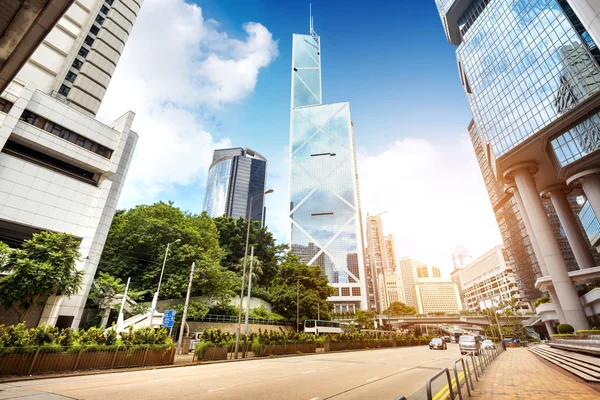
(64, 90)
(89, 40)
(345, 291)
(94, 30)
(28, 117)
(109, 2)
(83, 52)
(104, 9)
(355, 291)
(5, 105)
(71, 76)
(99, 19)
(77, 63)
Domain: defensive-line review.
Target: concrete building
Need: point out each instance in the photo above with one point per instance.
(60, 169)
(408, 273)
(324, 216)
(490, 279)
(427, 271)
(391, 289)
(235, 176)
(437, 295)
(537, 109)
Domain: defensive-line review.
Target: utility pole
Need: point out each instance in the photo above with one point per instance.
(185, 308)
(120, 318)
(298, 305)
(318, 311)
(249, 290)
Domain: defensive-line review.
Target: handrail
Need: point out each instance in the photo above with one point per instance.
(458, 380)
(434, 377)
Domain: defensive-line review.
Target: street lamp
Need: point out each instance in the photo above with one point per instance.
(239, 321)
(162, 271)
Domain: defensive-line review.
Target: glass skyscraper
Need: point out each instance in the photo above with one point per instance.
(325, 219)
(235, 176)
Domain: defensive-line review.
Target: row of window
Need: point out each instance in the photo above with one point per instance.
(66, 134)
(83, 52)
(5, 105)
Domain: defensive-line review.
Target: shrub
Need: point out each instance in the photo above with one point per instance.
(542, 300)
(564, 335)
(597, 331)
(565, 328)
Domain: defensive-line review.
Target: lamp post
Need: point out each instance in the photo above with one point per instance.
(162, 271)
(239, 320)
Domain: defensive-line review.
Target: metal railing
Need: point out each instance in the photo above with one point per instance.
(434, 377)
(233, 319)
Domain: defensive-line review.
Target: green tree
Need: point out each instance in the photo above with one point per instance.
(313, 290)
(399, 308)
(232, 239)
(136, 246)
(45, 266)
(365, 318)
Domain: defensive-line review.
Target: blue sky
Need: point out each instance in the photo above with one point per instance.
(390, 60)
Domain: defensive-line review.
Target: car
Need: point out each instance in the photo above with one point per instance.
(437, 343)
(447, 339)
(469, 344)
(488, 344)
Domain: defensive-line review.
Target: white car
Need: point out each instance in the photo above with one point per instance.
(488, 344)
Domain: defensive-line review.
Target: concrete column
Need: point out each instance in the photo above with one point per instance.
(590, 183)
(567, 218)
(557, 268)
(550, 328)
(512, 188)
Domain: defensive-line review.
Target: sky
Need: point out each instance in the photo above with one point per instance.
(213, 74)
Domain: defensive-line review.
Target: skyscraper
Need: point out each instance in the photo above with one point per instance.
(437, 295)
(407, 270)
(235, 176)
(461, 256)
(62, 170)
(325, 226)
(531, 76)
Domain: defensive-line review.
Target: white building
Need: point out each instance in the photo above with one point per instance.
(489, 280)
(60, 169)
(390, 289)
(407, 267)
(437, 295)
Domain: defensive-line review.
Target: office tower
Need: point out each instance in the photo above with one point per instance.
(408, 272)
(60, 169)
(437, 295)
(461, 256)
(235, 176)
(490, 280)
(380, 254)
(428, 271)
(390, 290)
(18, 38)
(324, 199)
(533, 85)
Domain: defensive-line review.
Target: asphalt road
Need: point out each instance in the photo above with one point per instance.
(370, 374)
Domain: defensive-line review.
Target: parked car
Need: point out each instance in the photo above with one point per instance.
(194, 340)
(447, 339)
(469, 344)
(488, 344)
(437, 343)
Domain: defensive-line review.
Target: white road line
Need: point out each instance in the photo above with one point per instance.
(216, 390)
(308, 372)
(372, 379)
(161, 379)
(402, 369)
(315, 398)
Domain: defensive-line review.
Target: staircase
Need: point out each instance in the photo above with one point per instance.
(584, 366)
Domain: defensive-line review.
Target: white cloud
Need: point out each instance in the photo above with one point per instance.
(178, 69)
(434, 196)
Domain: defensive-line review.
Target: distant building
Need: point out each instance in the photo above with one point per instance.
(489, 280)
(235, 176)
(390, 286)
(461, 257)
(437, 295)
(407, 271)
(428, 271)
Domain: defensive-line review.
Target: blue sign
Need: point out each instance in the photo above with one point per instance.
(168, 319)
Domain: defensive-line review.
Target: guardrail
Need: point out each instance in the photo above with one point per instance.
(454, 386)
(233, 319)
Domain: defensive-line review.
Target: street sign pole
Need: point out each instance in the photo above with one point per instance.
(185, 308)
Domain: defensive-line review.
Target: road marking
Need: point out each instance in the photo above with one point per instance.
(249, 368)
(402, 369)
(216, 390)
(315, 398)
(161, 379)
(372, 379)
(309, 372)
(379, 359)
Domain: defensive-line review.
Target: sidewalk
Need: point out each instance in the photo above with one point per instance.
(519, 374)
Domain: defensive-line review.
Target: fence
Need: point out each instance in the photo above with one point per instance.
(233, 319)
(462, 377)
(53, 359)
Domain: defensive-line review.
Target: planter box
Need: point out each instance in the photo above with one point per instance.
(54, 362)
(15, 364)
(337, 346)
(215, 353)
(130, 358)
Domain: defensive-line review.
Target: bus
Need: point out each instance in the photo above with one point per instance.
(317, 326)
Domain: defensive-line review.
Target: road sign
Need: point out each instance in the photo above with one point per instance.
(168, 319)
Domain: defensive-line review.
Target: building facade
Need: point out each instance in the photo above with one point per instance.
(391, 290)
(461, 257)
(235, 176)
(530, 73)
(325, 226)
(435, 295)
(408, 272)
(427, 271)
(60, 169)
(491, 280)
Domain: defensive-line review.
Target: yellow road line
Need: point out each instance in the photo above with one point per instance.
(452, 382)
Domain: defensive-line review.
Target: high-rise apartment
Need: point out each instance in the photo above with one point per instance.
(530, 72)
(408, 272)
(236, 176)
(325, 226)
(60, 169)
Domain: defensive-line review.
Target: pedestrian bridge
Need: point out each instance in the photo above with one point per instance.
(479, 320)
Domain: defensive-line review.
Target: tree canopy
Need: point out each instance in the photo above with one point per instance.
(399, 308)
(45, 266)
(365, 318)
(313, 290)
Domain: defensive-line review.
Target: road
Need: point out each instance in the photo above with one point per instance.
(370, 374)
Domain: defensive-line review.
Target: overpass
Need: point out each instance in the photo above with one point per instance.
(408, 320)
